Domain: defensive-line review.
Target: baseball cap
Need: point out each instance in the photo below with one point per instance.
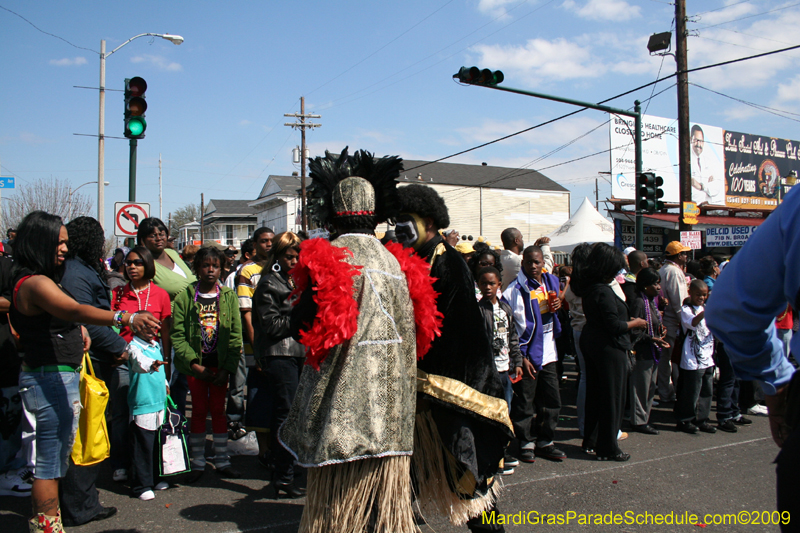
(675, 247)
(464, 247)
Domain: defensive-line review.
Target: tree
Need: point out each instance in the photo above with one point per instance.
(53, 195)
(183, 215)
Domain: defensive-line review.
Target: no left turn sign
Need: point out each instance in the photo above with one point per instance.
(127, 217)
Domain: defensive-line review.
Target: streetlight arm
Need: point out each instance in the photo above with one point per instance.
(175, 39)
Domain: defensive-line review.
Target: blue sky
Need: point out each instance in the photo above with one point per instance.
(379, 73)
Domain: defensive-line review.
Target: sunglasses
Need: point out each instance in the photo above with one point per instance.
(132, 262)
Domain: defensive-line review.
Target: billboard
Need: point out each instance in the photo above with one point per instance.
(729, 169)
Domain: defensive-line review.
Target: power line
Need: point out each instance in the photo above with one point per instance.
(778, 112)
(749, 16)
(48, 33)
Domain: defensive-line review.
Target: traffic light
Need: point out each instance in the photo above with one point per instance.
(135, 106)
(649, 193)
(476, 76)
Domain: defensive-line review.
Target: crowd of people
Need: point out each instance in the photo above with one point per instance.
(414, 361)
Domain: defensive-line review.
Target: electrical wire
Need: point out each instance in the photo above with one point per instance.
(748, 16)
(777, 112)
(48, 33)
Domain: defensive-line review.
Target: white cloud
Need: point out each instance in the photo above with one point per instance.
(604, 9)
(69, 62)
(244, 122)
(160, 62)
(495, 8)
(539, 59)
(733, 12)
(790, 91)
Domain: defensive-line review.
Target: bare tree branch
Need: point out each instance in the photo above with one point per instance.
(52, 195)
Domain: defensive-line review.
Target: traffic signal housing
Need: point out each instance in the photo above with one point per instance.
(476, 76)
(649, 193)
(135, 106)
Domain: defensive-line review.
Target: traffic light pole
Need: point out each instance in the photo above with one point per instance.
(636, 114)
(132, 171)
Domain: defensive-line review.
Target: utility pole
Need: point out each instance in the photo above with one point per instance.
(202, 222)
(596, 195)
(684, 140)
(160, 211)
(302, 125)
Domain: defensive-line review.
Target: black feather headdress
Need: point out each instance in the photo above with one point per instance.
(326, 172)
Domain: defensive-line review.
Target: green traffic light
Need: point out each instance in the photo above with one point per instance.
(136, 126)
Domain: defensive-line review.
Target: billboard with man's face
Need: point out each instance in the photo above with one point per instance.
(729, 169)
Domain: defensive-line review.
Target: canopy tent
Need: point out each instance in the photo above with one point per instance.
(586, 225)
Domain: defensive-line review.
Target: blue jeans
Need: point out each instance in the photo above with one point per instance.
(52, 403)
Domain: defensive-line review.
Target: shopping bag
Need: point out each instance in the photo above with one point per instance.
(174, 455)
(91, 441)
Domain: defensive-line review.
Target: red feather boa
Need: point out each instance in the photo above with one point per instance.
(427, 317)
(323, 265)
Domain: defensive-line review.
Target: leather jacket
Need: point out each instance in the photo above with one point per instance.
(271, 316)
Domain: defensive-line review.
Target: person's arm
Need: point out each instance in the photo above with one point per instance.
(184, 352)
(245, 291)
(671, 287)
(547, 255)
(234, 344)
(5, 305)
(138, 362)
(515, 355)
(166, 341)
(51, 299)
(515, 300)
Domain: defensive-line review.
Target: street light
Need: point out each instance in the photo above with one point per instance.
(174, 39)
(73, 191)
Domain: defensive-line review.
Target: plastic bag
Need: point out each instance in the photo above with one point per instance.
(247, 445)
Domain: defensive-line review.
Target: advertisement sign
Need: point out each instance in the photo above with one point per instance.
(729, 169)
(728, 235)
(756, 165)
(690, 213)
(653, 237)
(692, 239)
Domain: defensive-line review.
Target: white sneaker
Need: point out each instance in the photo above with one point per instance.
(758, 409)
(120, 474)
(162, 486)
(147, 495)
(11, 484)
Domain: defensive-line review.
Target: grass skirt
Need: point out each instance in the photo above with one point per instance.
(368, 495)
(435, 494)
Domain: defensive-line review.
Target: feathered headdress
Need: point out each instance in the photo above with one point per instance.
(326, 173)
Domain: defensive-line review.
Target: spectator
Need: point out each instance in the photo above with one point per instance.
(674, 289)
(188, 253)
(579, 256)
(43, 315)
(511, 256)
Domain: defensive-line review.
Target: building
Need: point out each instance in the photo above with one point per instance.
(229, 222)
(278, 204)
(485, 200)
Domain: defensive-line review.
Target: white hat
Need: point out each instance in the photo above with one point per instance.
(628, 250)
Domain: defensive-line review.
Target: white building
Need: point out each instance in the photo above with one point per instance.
(229, 222)
(278, 204)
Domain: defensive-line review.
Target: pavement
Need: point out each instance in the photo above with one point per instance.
(669, 477)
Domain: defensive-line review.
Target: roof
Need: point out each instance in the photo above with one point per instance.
(478, 176)
(287, 184)
(229, 208)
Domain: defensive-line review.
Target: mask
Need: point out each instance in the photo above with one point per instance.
(410, 231)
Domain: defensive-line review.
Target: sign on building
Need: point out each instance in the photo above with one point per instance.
(692, 239)
(728, 235)
(653, 237)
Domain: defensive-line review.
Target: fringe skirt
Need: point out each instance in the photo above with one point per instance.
(432, 472)
(368, 495)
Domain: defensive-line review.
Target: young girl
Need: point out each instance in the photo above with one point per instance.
(207, 339)
(138, 294)
(147, 395)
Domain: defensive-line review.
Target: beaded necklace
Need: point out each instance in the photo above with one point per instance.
(208, 347)
(146, 301)
(650, 330)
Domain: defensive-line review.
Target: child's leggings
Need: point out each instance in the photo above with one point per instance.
(208, 397)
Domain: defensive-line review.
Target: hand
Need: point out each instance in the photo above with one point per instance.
(221, 380)
(156, 365)
(120, 359)
(555, 305)
(517, 372)
(167, 390)
(452, 238)
(202, 372)
(776, 406)
(637, 323)
(663, 330)
(87, 340)
(140, 322)
(661, 342)
(529, 368)
(541, 241)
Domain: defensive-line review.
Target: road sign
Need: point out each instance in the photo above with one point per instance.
(6, 182)
(127, 217)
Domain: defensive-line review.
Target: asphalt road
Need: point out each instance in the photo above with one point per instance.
(671, 474)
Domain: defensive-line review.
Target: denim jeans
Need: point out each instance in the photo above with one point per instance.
(52, 404)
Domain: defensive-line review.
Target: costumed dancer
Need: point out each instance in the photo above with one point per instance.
(366, 312)
(462, 422)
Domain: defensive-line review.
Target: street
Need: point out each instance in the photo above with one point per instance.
(671, 474)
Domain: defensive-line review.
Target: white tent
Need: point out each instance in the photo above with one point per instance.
(586, 225)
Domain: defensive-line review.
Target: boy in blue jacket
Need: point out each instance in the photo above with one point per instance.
(537, 394)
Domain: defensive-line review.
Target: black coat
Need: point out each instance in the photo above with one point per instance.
(487, 309)
(642, 341)
(272, 313)
(606, 318)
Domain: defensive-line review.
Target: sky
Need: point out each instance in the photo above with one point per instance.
(380, 76)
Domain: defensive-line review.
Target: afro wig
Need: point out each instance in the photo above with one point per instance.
(425, 202)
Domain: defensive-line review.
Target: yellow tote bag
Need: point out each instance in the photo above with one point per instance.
(91, 441)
